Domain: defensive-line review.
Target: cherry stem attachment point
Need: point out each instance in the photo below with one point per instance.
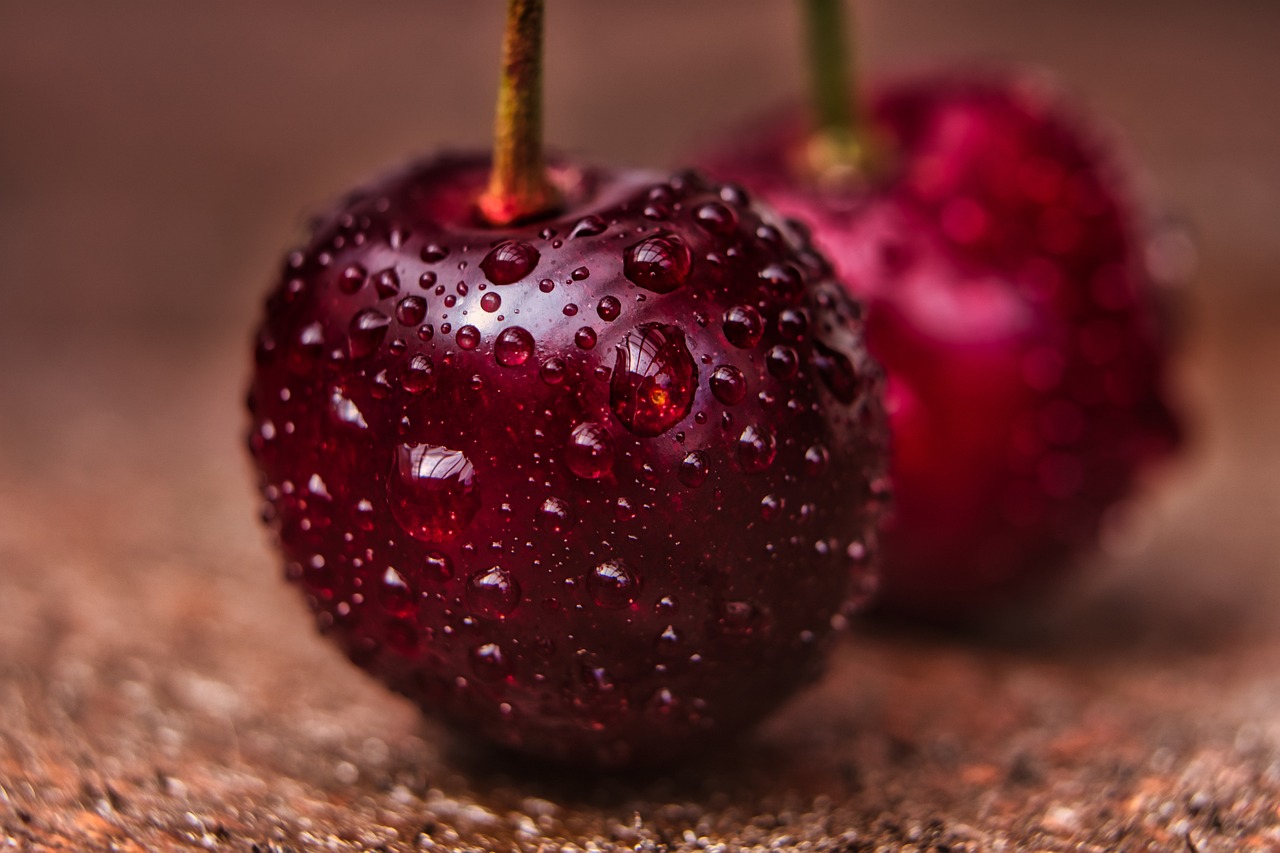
(519, 189)
(839, 150)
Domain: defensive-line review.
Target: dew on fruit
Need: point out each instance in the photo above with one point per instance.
(432, 491)
(394, 594)
(553, 370)
(741, 619)
(793, 324)
(513, 347)
(585, 337)
(427, 280)
(546, 285)
(715, 217)
(816, 459)
(426, 332)
(694, 469)
(492, 593)
(419, 375)
(387, 283)
(837, 372)
(743, 326)
(781, 362)
(728, 385)
(509, 262)
(468, 337)
(554, 516)
(342, 410)
(757, 448)
(660, 264)
(782, 281)
(580, 274)
(438, 566)
(569, 310)
(588, 226)
(488, 662)
(613, 584)
(366, 332)
(411, 310)
(352, 278)
(654, 379)
(589, 453)
(433, 253)
(307, 348)
(490, 302)
(609, 308)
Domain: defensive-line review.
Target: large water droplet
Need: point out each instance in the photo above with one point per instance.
(419, 375)
(366, 332)
(509, 262)
(433, 253)
(492, 593)
(660, 264)
(756, 448)
(554, 516)
(609, 308)
(352, 278)
(412, 310)
(588, 226)
(513, 347)
(782, 281)
(837, 372)
(654, 379)
(468, 337)
(715, 217)
(694, 469)
(553, 370)
(613, 584)
(743, 326)
(433, 491)
(589, 453)
(782, 362)
(387, 283)
(490, 302)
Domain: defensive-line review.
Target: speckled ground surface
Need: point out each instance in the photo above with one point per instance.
(161, 688)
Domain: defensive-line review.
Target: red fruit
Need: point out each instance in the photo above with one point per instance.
(594, 487)
(1002, 267)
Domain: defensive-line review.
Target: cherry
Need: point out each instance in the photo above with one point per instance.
(993, 239)
(589, 471)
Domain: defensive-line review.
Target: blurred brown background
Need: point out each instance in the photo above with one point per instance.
(160, 687)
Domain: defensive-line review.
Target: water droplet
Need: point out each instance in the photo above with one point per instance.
(364, 515)
(433, 253)
(553, 370)
(395, 596)
(589, 453)
(352, 278)
(419, 375)
(438, 566)
(585, 337)
(387, 283)
(580, 274)
(793, 323)
(837, 372)
(815, 460)
(609, 308)
(488, 662)
(654, 379)
(743, 326)
(715, 217)
(588, 226)
(426, 332)
(735, 195)
(509, 262)
(613, 584)
(468, 337)
(307, 348)
(554, 516)
(782, 281)
(366, 332)
(756, 448)
(770, 507)
(513, 347)
(433, 491)
(344, 411)
(728, 385)
(742, 619)
(427, 280)
(546, 285)
(491, 302)
(570, 310)
(492, 593)
(660, 264)
(694, 469)
(782, 362)
(412, 310)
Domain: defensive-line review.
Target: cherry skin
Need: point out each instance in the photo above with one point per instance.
(1001, 264)
(595, 487)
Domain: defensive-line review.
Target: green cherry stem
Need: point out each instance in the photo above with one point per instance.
(518, 185)
(840, 149)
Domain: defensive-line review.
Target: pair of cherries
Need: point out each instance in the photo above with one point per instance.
(598, 484)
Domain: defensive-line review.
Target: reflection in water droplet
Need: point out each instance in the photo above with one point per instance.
(660, 264)
(770, 507)
(434, 253)
(554, 516)
(344, 411)
(585, 337)
(756, 448)
(743, 326)
(715, 217)
(366, 332)
(491, 302)
(488, 662)
(782, 362)
(782, 281)
(492, 593)
(589, 453)
(412, 310)
(352, 278)
(552, 370)
(438, 566)
(815, 460)
(613, 584)
(588, 226)
(432, 491)
(654, 379)
(509, 262)
(694, 469)
(419, 375)
(728, 384)
(513, 347)
(395, 595)
(837, 372)
(609, 308)
(793, 323)
(387, 283)
(468, 337)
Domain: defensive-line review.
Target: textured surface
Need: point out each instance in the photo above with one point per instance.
(161, 687)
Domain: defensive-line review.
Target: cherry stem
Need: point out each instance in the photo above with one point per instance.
(518, 185)
(839, 149)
